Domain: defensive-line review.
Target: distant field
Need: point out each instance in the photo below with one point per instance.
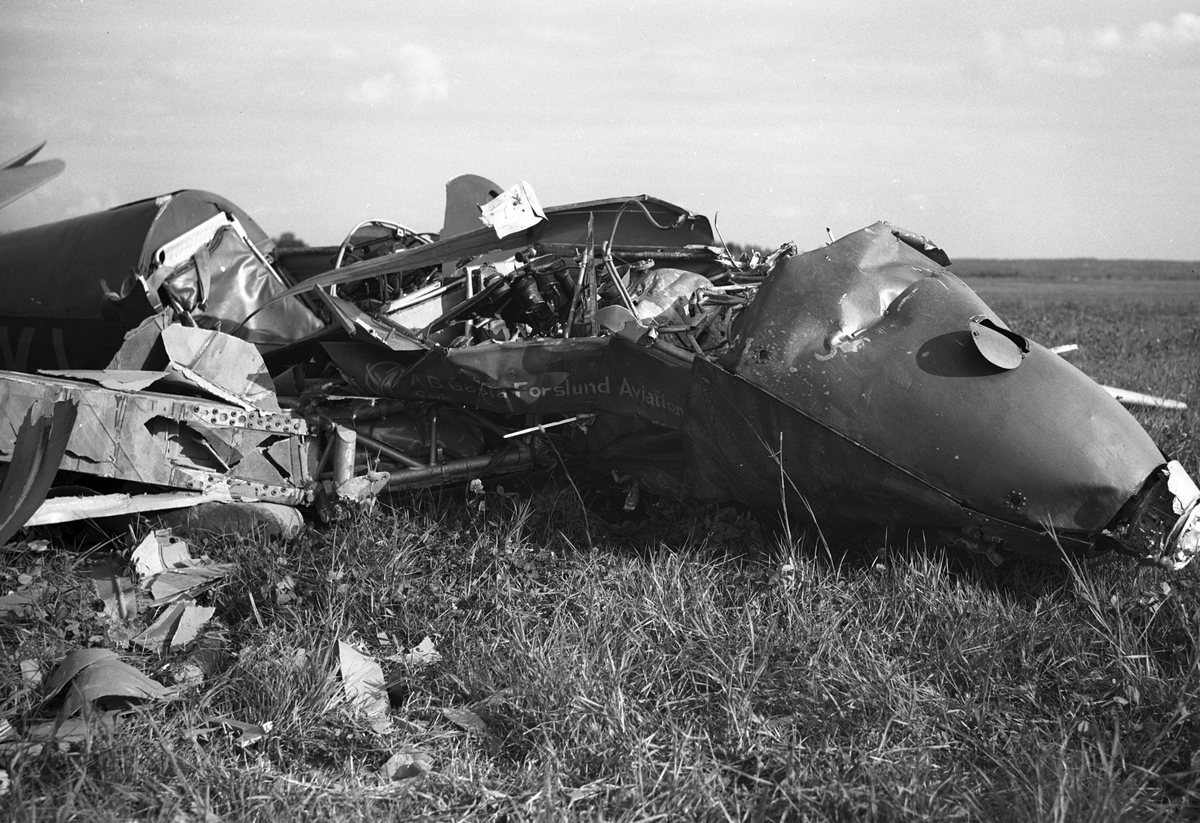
(1085, 281)
(1088, 268)
(1109, 290)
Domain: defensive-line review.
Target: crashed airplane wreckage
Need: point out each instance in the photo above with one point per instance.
(862, 382)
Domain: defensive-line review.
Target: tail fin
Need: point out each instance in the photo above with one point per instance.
(464, 195)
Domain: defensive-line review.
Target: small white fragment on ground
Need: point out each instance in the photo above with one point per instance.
(465, 719)
(285, 590)
(158, 552)
(362, 682)
(31, 673)
(406, 765)
(248, 733)
(186, 674)
(422, 654)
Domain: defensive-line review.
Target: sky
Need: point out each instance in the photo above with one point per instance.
(1019, 129)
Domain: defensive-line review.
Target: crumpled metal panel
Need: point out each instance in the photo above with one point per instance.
(189, 443)
(868, 341)
(40, 443)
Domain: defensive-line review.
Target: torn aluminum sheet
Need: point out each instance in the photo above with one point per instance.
(195, 360)
(185, 443)
(95, 674)
(177, 626)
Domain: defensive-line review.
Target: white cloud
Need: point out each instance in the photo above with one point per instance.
(1182, 31)
(373, 90)
(412, 74)
(1087, 54)
(1048, 50)
(340, 51)
(424, 73)
(1107, 39)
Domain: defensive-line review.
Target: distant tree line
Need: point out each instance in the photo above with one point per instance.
(288, 240)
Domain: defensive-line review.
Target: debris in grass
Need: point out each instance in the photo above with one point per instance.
(422, 654)
(186, 674)
(247, 733)
(285, 591)
(27, 546)
(13, 748)
(465, 719)
(115, 589)
(97, 674)
(160, 551)
(24, 601)
(186, 583)
(411, 764)
(177, 626)
(362, 682)
(31, 673)
(78, 729)
(170, 573)
(193, 619)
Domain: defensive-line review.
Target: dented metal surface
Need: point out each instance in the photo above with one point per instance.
(871, 347)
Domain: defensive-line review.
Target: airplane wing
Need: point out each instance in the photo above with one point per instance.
(17, 178)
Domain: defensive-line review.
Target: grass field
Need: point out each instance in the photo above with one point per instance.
(694, 665)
